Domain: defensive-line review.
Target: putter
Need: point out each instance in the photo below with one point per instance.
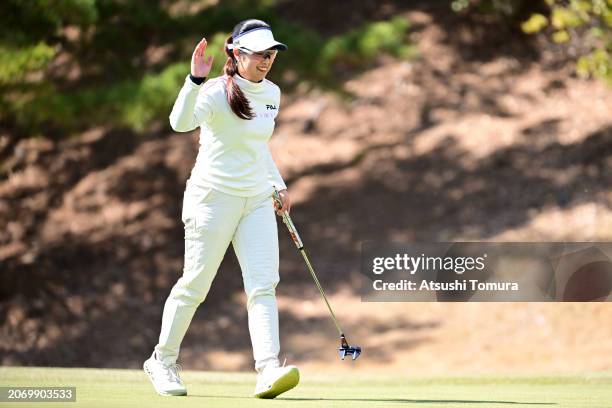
(344, 349)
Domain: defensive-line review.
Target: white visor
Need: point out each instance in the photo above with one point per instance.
(258, 39)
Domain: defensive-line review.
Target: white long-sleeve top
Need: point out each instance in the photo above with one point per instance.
(234, 156)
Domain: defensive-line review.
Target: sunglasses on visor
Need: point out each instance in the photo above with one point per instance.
(261, 54)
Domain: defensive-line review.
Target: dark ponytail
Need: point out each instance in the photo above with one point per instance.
(235, 97)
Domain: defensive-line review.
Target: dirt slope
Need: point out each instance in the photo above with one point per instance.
(467, 142)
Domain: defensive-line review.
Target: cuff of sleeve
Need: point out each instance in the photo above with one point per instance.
(190, 84)
(197, 80)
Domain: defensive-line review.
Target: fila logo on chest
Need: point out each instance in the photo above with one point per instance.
(270, 107)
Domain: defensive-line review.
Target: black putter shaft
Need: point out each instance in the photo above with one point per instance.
(344, 349)
(300, 246)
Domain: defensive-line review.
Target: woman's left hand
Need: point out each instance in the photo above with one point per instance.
(286, 200)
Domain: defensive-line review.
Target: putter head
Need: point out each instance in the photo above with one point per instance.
(349, 351)
(346, 350)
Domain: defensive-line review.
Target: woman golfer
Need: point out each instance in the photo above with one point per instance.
(228, 198)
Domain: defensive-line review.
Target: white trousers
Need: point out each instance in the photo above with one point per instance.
(212, 220)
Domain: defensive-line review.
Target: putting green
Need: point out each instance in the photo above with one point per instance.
(131, 388)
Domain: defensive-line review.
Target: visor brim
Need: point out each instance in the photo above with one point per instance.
(259, 40)
(274, 45)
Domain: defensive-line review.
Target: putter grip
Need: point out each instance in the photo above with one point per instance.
(293, 231)
(288, 222)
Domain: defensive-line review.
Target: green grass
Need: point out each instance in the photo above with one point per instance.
(130, 388)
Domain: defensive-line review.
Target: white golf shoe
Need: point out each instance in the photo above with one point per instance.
(273, 381)
(165, 378)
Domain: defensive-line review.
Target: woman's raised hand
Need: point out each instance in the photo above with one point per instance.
(200, 64)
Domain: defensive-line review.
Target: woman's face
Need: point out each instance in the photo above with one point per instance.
(254, 66)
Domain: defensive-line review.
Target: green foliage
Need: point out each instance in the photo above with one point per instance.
(560, 36)
(585, 24)
(365, 43)
(73, 64)
(565, 17)
(597, 64)
(133, 104)
(16, 63)
(588, 21)
(152, 98)
(507, 8)
(535, 23)
(29, 22)
(459, 5)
